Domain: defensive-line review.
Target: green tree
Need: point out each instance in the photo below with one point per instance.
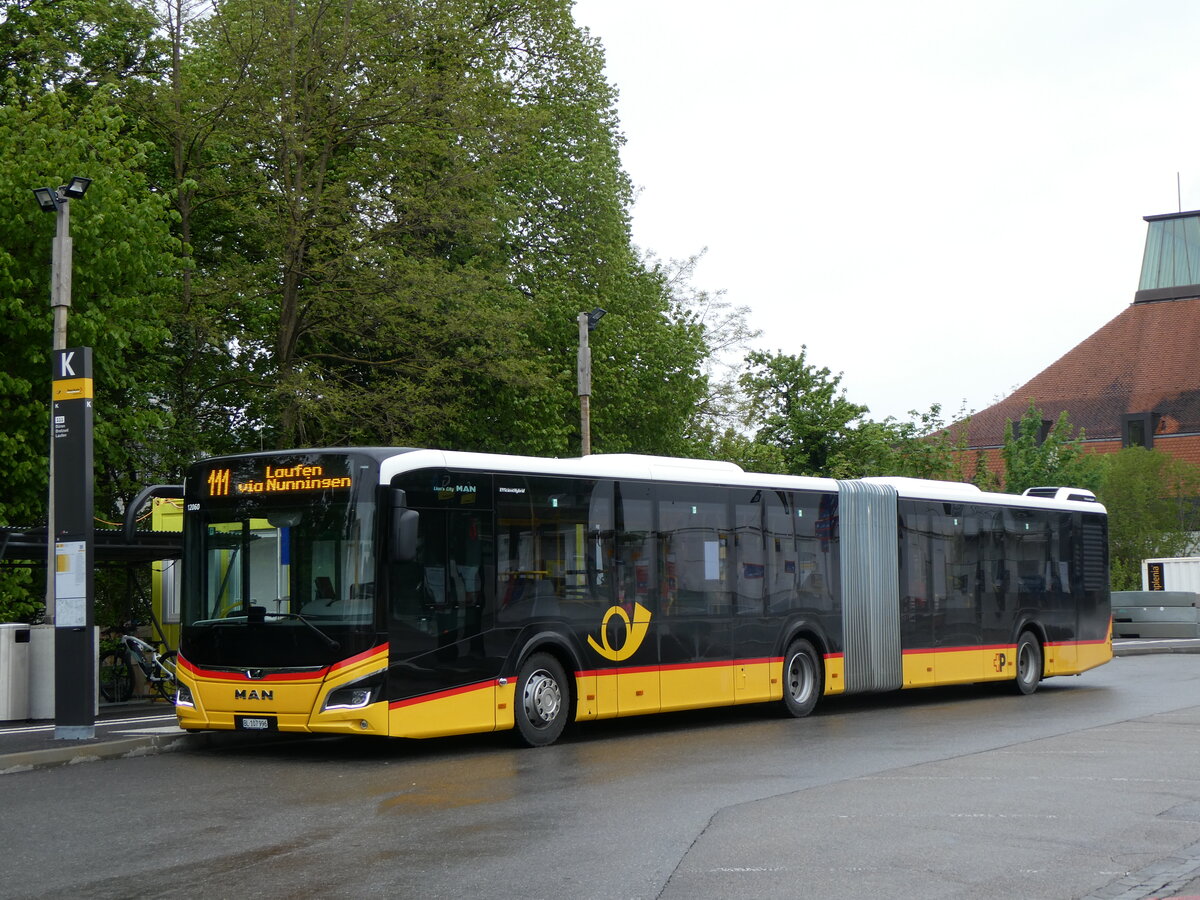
(803, 423)
(737, 447)
(71, 47)
(387, 217)
(925, 446)
(120, 235)
(803, 411)
(981, 474)
(1152, 510)
(724, 335)
(1035, 455)
(394, 214)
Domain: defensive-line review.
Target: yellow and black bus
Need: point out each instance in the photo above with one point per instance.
(418, 593)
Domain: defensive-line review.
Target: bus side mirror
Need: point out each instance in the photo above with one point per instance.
(402, 538)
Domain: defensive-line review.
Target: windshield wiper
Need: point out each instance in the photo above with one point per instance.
(258, 614)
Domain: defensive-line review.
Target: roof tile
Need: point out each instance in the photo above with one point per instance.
(1144, 360)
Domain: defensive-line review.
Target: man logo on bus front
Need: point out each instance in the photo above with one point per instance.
(635, 632)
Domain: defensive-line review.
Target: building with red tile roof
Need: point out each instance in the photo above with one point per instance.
(1136, 381)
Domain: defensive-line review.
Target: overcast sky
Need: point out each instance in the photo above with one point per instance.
(938, 197)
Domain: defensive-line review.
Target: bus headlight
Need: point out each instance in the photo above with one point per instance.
(356, 694)
(183, 695)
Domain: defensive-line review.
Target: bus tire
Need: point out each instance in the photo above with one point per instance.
(802, 678)
(542, 701)
(1029, 663)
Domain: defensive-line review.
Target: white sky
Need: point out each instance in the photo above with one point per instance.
(939, 197)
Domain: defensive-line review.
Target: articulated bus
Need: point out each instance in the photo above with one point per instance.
(420, 593)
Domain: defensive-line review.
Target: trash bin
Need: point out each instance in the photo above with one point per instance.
(14, 672)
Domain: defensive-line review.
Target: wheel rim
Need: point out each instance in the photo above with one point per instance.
(1025, 662)
(543, 698)
(801, 678)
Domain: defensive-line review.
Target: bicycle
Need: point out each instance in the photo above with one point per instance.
(117, 668)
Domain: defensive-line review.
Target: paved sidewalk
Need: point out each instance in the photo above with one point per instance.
(122, 730)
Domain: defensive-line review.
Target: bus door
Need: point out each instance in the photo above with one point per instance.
(941, 557)
(441, 606)
(696, 563)
(956, 549)
(753, 634)
(916, 594)
(631, 627)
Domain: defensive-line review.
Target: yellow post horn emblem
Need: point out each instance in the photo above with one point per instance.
(635, 632)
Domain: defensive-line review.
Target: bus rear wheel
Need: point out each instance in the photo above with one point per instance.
(543, 700)
(802, 677)
(1029, 663)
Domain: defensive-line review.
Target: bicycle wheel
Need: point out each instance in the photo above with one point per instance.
(115, 678)
(164, 676)
(165, 689)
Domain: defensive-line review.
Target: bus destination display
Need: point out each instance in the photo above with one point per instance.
(275, 480)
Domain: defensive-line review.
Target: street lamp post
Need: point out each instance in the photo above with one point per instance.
(587, 321)
(58, 202)
(70, 545)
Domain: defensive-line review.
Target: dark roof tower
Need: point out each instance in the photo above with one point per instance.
(1171, 260)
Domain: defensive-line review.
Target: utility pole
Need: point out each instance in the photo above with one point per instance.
(587, 321)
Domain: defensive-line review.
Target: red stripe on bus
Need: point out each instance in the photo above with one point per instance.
(1088, 643)
(359, 657)
(913, 651)
(240, 675)
(441, 695)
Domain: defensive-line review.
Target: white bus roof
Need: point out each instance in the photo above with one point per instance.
(702, 471)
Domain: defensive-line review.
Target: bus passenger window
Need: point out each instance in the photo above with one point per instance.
(635, 551)
(749, 554)
(694, 550)
(554, 547)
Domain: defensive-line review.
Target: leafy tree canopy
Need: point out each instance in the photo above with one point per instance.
(1152, 510)
(121, 302)
(804, 424)
(72, 47)
(803, 411)
(1035, 455)
(395, 213)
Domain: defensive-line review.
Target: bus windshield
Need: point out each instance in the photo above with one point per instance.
(264, 553)
(315, 562)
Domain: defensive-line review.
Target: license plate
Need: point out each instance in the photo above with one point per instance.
(256, 723)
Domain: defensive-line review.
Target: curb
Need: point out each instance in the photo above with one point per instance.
(120, 748)
(25, 760)
(1147, 646)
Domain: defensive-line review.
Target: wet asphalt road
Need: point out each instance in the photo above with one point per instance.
(1091, 787)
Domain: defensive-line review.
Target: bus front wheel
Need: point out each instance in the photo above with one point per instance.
(1029, 663)
(802, 677)
(543, 700)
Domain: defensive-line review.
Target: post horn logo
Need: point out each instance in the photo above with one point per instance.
(635, 632)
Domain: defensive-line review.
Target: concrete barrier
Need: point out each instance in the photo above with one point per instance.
(1156, 614)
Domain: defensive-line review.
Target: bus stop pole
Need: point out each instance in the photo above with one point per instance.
(74, 538)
